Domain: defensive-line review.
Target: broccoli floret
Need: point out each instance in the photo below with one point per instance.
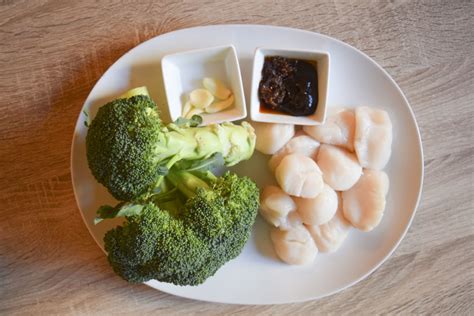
(120, 146)
(188, 247)
(154, 245)
(129, 149)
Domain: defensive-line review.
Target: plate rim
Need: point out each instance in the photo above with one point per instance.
(264, 26)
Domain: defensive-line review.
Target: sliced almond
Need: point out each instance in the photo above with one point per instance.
(216, 87)
(194, 111)
(219, 106)
(200, 98)
(186, 108)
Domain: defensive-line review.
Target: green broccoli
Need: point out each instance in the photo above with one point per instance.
(212, 225)
(129, 149)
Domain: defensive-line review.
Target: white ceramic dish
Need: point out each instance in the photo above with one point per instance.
(183, 72)
(322, 60)
(256, 276)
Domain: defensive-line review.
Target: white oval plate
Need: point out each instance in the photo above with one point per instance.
(256, 276)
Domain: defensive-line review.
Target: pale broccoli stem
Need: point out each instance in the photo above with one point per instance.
(235, 142)
(186, 182)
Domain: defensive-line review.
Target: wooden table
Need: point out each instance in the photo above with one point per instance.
(52, 53)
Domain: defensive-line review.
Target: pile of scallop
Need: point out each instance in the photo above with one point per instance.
(329, 179)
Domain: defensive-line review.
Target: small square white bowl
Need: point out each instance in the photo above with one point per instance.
(321, 59)
(183, 72)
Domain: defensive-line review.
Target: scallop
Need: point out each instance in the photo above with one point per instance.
(364, 203)
(373, 137)
(340, 168)
(299, 176)
(318, 210)
(272, 137)
(302, 144)
(294, 246)
(278, 208)
(330, 236)
(337, 130)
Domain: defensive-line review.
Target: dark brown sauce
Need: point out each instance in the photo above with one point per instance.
(264, 109)
(288, 85)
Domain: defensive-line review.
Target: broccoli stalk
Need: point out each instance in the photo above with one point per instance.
(235, 142)
(187, 183)
(129, 150)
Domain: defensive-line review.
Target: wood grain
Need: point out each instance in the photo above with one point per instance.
(52, 53)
